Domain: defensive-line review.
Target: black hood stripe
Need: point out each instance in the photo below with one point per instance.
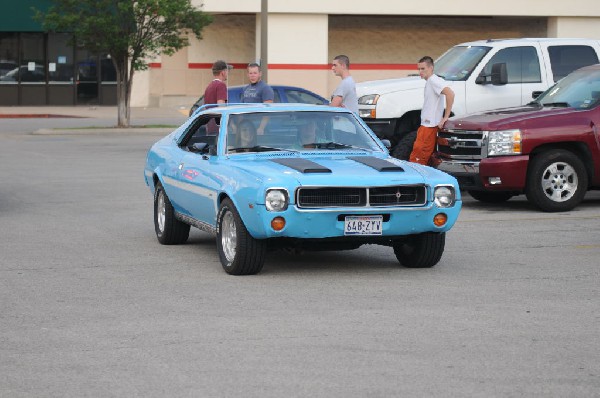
(376, 163)
(302, 165)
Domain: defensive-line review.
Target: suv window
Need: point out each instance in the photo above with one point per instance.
(565, 59)
(522, 64)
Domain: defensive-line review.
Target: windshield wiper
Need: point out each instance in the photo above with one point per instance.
(260, 148)
(557, 104)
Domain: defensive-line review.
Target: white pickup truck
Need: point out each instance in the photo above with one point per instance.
(484, 74)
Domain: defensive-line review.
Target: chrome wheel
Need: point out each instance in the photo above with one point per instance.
(559, 182)
(160, 211)
(169, 230)
(229, 236)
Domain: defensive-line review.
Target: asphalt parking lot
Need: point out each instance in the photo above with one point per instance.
(92, 305)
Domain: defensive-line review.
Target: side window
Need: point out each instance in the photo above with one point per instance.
(277, 97)
(522, 64)
(565, 59)
(302, 97)
(201, 131)
(530, 66)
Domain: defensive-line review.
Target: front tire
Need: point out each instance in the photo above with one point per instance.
(421, 251)
(239, 252)
(491, 197)
(557, 181)
(404, 147)
(169, 230)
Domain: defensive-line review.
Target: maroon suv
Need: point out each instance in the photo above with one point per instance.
(548, 149)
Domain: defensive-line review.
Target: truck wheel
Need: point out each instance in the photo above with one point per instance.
(239, 252)
(404, 147)
(169, 230)
(557, 181)
(421, 251)
(491, 197)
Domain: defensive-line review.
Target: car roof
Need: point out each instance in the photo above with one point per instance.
(269, 107)
(590, 67)
(509, 41)
(239, 87)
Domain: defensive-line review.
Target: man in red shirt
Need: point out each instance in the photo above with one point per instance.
(216, 91)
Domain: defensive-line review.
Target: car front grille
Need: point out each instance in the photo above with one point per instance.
(401, 195)
(462, 144)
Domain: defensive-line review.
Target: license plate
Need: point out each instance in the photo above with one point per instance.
(363, 225)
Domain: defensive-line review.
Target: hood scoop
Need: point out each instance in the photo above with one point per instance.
(376, 163)
(302, 165)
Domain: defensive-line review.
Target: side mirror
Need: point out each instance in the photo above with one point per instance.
(481, 79)
(386, 143)
(536, 94)
(499, 74)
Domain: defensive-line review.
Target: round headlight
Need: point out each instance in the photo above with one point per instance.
(444, 196)
(276, 200)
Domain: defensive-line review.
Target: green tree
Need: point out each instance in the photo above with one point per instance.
(130, 31)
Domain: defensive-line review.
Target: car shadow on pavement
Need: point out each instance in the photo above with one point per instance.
(358, 260)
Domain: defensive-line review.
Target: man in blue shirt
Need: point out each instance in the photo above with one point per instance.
(257, 91)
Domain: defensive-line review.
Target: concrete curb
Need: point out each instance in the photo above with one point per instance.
(162, 131)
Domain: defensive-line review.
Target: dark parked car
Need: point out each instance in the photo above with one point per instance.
(290, 94)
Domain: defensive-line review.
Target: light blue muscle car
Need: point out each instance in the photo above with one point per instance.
(305, 177)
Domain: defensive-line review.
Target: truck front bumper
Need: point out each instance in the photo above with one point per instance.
(506, 173)
(383, 128)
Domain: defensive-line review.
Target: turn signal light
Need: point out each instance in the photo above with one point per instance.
(440, 219)
(278, 223)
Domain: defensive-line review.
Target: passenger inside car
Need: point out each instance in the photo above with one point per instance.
(307, 135)
(246, 135)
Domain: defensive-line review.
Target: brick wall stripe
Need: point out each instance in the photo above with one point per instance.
(314, 66)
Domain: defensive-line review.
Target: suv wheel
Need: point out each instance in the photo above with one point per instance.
(557, 181)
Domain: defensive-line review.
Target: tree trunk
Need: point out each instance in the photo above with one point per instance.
(123, 91)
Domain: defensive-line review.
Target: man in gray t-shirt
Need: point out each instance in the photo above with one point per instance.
(345, 94)
(257, 91)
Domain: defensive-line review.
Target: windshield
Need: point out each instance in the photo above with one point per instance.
(458, 62)
(296, 131)
(580, 89)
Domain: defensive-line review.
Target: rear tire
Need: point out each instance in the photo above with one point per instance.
(239, 252)
(169, 230)
(421, 251)
(557, 181)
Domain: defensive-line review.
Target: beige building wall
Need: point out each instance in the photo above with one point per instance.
(404, 40)
(383, 40)
(574, 27)
(298, 50)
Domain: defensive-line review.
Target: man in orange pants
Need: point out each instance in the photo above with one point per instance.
(431, 115)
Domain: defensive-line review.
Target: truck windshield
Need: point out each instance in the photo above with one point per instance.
(580, 90)
(458, 62)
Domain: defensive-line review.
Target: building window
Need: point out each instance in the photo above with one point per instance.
(9, 57)
(33, 65)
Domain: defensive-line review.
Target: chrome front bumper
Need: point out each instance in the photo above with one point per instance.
(455, 167)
